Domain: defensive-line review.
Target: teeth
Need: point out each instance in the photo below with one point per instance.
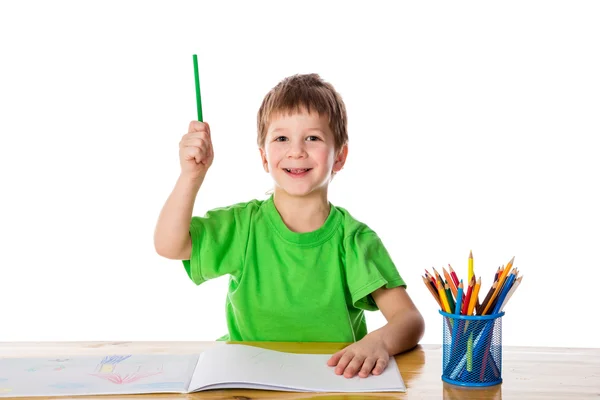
(296, 170)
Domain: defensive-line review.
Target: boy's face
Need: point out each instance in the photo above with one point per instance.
(299, 153)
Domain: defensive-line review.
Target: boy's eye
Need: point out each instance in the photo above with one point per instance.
(313, 138)
(280, 139)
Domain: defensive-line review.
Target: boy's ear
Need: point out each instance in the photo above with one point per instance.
(340, 159)
(263, 157)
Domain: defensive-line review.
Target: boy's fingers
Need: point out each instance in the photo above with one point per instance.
(335, 358)
(354, 366)
(197, 126)
(380, 366)
(343, 363)
(197, 135)
(367, 367)
(192, 153)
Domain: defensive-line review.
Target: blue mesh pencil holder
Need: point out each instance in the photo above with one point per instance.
(472, 349)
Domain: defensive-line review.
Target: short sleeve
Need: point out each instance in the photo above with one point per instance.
(218, 247)
(368, 267)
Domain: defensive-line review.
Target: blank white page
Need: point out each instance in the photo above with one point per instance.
(241, 366)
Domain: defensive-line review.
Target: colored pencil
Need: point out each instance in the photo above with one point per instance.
(510, 293)
(453, 275)
(431, 280)
(444, 300)
(474, 295)
(449, 296)
(501, 280)
(467, 298)
(487, 297)
(459, 298)
(450, 282)
(198, 96)
(427, 283)
(470, 266)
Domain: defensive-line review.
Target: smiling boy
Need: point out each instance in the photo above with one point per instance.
(301, 269)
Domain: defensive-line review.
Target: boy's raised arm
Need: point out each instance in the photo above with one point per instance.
(171, 236)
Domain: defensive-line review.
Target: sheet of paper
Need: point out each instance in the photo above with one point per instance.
(241, 366)
(111, 374)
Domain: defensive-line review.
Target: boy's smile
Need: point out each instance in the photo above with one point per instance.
(297, 172)
(299, 152)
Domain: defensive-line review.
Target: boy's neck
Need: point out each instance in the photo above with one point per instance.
(302, 214)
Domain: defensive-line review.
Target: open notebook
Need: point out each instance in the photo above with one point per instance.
(222, 366)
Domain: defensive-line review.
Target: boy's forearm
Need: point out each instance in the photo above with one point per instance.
(402, 332)
(172, 228)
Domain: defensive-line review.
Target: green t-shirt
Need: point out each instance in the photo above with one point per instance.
(287, 286)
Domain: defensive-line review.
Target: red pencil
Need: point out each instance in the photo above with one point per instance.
(467, 298)
(453, 275)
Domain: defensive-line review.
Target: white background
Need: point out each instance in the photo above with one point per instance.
(473, 126)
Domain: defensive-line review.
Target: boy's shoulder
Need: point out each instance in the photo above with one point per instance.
(353, 226)
(245, 207)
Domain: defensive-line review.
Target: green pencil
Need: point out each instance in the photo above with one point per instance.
(198, 97)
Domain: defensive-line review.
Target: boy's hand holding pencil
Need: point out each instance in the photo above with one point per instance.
(195, 148)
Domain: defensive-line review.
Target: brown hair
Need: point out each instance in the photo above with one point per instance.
(310, 92)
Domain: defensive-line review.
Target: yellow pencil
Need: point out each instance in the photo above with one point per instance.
(470, 266)
(443, 298)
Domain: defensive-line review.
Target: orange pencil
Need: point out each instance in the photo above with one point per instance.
(450, 282)
(427, 283)
(500, 284)
(474, 296)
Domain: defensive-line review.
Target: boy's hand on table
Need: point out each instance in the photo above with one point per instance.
(364, 357)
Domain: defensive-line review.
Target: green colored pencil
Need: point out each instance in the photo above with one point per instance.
(198, 97)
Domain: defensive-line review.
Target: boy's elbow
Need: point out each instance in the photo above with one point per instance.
(167, 250)
(419, 323)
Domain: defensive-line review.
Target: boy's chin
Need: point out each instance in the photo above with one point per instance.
(299, 191)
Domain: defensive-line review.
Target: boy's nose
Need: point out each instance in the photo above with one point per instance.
(297, 150)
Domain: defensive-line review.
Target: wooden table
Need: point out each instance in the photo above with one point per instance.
(528, 372)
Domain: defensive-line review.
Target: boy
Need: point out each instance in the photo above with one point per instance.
(301, 269)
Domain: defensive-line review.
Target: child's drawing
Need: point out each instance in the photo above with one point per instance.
(56, 364)
(107, 369)
(67, 385)
(108, 363)
(54, 367)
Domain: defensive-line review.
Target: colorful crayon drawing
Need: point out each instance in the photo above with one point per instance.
(107, 370)
(108, 363)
